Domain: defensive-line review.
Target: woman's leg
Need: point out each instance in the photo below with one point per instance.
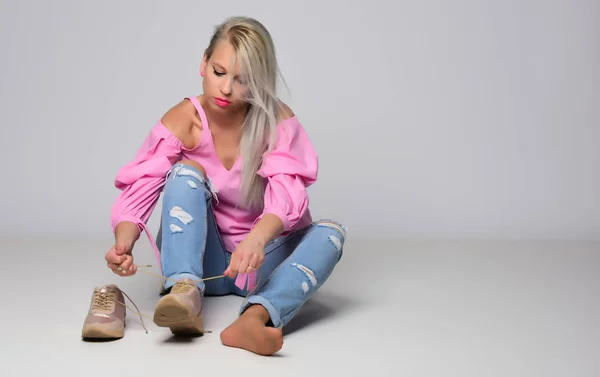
(295, 280)
(294, 270)
(190, 248)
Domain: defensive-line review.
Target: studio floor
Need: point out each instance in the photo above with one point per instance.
(391, 308)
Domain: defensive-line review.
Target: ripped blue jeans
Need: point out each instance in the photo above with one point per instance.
(295, 265)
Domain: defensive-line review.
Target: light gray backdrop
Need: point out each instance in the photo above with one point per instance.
(432, 118)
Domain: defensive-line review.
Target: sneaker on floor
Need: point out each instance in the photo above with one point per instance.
(181, 309)
(105, 318)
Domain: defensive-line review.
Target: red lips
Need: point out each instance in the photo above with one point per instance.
(222, 102)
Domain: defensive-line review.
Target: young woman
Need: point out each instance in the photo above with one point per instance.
(233, 165)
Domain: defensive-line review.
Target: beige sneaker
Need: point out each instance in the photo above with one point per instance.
(105, 318)
(181, 309)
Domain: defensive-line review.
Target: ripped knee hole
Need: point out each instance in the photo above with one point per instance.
(309, 274)
(193, 164)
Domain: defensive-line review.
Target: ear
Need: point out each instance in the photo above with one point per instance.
(203, 65)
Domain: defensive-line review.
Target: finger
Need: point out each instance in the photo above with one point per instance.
(130, 271)
(115, 259)
(122, 272)
(111, 254)
(114, 270)
(117, 268)
(231, 270)
(112, 258)
(243, 266)
(117, 271)
(127, 263)
(253, 265)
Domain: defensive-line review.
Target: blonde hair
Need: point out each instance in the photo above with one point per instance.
(255, 51)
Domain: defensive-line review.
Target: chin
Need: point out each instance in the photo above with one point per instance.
(233, 108)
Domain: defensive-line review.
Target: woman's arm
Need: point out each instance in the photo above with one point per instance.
(266, 229)
(289, 169)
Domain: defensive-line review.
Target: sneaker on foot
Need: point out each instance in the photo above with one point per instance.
(181, 309)
(105, 318)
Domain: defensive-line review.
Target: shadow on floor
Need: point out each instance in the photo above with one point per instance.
(181, 339)
(321, 306)
(99, 340)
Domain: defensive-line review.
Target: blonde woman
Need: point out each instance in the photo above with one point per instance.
(233, 165)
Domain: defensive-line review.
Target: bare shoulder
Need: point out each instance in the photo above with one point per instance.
(286, 112)
(183, 122)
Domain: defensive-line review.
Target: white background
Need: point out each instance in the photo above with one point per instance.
(431, 118)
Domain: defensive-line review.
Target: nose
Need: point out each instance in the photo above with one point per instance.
(226, 87)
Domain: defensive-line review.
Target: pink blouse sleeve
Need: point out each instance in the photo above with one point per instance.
(141, 180)
(290, 168)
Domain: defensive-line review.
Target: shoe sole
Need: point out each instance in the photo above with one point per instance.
(98, 331)
(177, 317)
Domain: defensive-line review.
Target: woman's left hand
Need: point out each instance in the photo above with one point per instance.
(247, 257)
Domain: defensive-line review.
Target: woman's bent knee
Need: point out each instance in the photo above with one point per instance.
(188, 177)
(328, 223)
(194, 164)
(336, 236)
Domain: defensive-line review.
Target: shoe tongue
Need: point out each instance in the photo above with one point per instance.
(184, 285)
(108, 288)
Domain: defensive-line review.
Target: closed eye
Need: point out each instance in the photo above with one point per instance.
(218, 73)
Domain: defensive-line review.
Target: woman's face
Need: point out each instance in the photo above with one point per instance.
(224, 86)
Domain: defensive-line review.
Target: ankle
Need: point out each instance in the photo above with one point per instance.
(258, 311)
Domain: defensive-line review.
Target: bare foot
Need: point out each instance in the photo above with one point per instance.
(249, 332)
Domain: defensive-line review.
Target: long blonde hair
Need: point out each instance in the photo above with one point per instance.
(255, 51)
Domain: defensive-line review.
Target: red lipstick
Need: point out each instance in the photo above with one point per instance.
(222, 102)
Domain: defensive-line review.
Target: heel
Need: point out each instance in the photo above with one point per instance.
(178, 317)
(181, 309)
(192, 326)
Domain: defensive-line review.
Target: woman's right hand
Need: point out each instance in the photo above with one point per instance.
(120, 258)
